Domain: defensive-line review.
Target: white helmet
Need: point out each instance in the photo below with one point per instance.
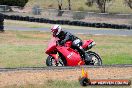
(56, 29)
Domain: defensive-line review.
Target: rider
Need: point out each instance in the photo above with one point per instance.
(65, 36)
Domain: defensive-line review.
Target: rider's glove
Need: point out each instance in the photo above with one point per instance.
(62, 42)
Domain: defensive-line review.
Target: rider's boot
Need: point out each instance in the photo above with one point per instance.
(87, 58)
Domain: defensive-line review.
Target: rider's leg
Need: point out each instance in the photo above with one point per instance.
(86, 56)
(78, 45)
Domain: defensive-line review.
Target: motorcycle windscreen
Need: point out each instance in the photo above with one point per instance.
(72, 57)
(51, 45)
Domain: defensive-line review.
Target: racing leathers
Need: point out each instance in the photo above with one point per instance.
(65, 36)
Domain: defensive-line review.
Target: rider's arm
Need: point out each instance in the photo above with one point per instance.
(67, 37)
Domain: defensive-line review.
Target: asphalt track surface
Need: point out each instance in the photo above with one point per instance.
(62, 67)
(119, 32)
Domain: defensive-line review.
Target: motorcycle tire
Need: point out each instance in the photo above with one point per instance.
(50, 61)
(96, 59)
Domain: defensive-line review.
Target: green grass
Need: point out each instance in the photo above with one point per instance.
(21, 56)
(118, 6)
(16, 51)
(61, 84)
(113, 49)
(27, 48)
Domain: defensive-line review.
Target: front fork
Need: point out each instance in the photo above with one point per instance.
(56, 58)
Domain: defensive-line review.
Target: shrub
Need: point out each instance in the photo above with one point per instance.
(20, 3)
(80, 9)
(79, 15)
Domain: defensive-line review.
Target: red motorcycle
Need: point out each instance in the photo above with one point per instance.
(59, 55)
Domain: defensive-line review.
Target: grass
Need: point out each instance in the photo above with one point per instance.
(27, 48)
(115, 48)
(61, 84)
(21, 56)
(19, 49)
(118, 6)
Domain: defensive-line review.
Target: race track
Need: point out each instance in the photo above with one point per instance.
(62, 67)
(82, 31)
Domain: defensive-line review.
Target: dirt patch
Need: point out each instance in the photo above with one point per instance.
(42, 76)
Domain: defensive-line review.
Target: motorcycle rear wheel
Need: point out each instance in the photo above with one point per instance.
(96, 59)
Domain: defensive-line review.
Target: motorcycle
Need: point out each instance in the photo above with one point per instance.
(59, 55)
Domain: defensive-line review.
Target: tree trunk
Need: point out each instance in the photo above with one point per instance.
(60, 12)
(69, 2)
(104, 6)
(101, 5)
(59, 5)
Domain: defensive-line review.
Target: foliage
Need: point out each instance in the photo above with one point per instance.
(129, 3)
(101, 4)
(90, 3)
(80, 9)
(60, 4)
(20, 3)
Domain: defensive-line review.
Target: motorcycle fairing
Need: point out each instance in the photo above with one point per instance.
(55, 56)
(86, 43)
(51, 45)
(72, 57)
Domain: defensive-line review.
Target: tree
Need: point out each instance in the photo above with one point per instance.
(60, 12)
(129, 3)
(101, 4)
(59, 4)
(69, 3)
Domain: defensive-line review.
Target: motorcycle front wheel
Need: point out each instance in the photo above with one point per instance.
(96, 59)
(50, 61)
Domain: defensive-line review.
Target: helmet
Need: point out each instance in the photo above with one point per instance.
(56, 29)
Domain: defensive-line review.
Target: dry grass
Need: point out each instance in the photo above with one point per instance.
(61, 78)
